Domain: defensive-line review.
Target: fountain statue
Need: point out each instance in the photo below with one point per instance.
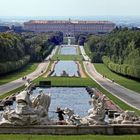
(34, 111)
(27, 111)
(73, 119)
(96, 115)
(64, 74)
(127, 117)
(69, 41)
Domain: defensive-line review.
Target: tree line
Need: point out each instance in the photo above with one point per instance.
(119, 51)
(17, 50)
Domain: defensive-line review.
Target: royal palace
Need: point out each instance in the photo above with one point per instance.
(69, 27)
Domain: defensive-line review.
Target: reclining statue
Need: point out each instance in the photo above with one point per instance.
(27, 111)
(96, 115)
(73, 119)
(127, 117)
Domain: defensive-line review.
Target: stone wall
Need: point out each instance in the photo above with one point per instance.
(72, 130)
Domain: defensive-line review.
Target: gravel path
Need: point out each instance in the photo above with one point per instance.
(42, 67)
(128, 96)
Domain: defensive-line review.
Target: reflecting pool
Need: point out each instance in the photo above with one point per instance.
(74, 98)
(70, 50)
(65, 67)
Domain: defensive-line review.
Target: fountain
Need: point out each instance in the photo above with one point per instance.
(96, 115)
(68, 50)
(33, 114)
(27, 111)
(65, 68)
(69, 41)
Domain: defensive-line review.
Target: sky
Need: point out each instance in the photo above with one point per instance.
(69, 7)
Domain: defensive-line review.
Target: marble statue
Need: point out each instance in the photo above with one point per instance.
(96, 115)
(94, 102)
(27, 111)
(73, 119)
(34, 111)
(64, 74)
(127, 117)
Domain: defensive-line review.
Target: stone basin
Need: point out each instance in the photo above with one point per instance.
(68, 50)
(69, 67)
(74, 98)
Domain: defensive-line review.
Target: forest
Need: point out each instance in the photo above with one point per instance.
(119, 50)
(17, 50)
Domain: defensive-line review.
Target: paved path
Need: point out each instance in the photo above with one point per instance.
(19, 82)
(130, 97)
(86, 58)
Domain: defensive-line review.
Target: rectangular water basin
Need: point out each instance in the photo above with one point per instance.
(68, 50)
(65, 68)
(73, 98)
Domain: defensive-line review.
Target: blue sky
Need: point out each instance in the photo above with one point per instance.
(69, 7)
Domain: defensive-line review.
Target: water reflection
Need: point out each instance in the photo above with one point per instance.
(74, 98)
(68, 50)
(69, 67)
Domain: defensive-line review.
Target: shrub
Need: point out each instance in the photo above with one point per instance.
(124, 69)
(11, 66)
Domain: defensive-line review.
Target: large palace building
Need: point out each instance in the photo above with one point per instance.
(69, 27)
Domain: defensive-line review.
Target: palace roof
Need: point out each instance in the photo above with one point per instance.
(66, 22)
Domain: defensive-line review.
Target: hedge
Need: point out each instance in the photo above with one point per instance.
(47, 52)
(123, 69)
(11, 66)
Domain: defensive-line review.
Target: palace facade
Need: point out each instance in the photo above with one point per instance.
(69, 27)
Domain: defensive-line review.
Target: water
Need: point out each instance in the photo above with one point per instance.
(74, 98)
(69, 41)
(68, 50)
(70, 67)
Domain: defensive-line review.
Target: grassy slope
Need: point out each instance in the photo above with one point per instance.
(128, 83)
(18, 74)
(87, 50)
(66, 81)
(101, 68)
(11, 92)
(81, 137)
(67, 57)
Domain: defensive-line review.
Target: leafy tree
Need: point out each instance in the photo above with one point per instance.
(122, 47)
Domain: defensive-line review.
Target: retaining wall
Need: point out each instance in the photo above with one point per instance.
(72, 130)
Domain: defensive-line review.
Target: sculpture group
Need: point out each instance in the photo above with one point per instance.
(34, 111)
(27, 111)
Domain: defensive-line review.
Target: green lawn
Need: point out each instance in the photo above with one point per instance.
(87, 51)
(18, 74)
(59, 137)
(12, 92)
(66, 81)
(128, 83)
(68, 57)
